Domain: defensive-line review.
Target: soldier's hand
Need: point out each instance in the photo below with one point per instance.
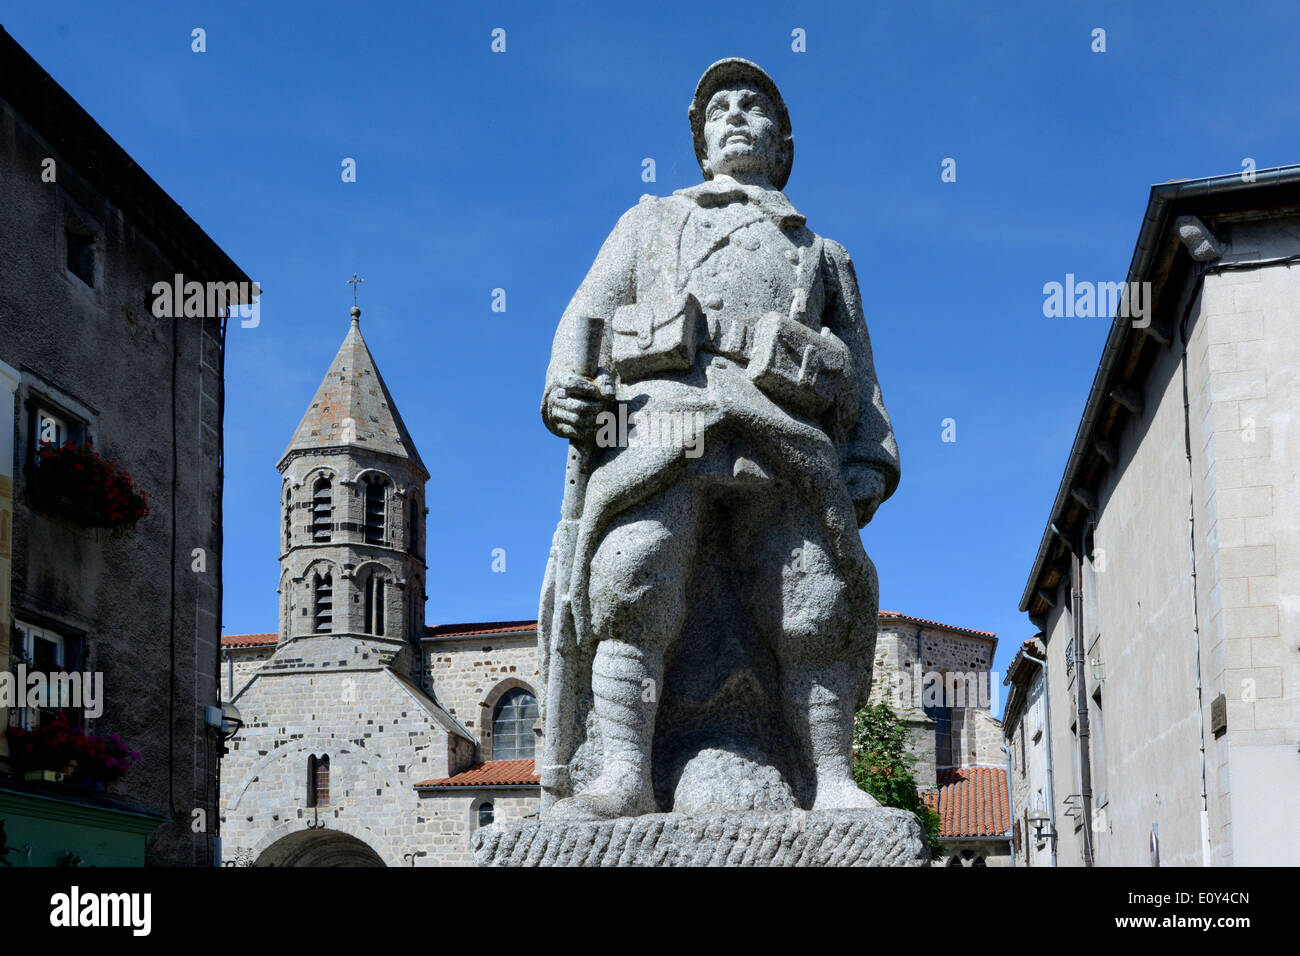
(867, 489)
(573, 402)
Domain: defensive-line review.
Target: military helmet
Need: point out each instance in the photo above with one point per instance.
(731, 71)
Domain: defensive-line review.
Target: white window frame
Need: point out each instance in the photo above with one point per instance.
(30, 635)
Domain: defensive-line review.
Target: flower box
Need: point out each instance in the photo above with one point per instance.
(56, 752)
(76, 481)
(46, 776)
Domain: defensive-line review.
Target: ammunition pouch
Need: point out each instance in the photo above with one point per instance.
(646, 343)
(802, 369)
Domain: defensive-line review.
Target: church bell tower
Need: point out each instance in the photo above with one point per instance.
(352, 513)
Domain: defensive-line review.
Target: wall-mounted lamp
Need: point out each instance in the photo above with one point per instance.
(1038, 819)
(227, 722)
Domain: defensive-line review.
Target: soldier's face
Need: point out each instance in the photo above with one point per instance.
(742, 133)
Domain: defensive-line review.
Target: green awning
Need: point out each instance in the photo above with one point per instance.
(47, 828)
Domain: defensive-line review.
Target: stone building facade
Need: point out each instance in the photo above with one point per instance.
(368, 738)
(441, 796)
(1164, 583)
(85, 358)
(939, 679)
(1028, 734)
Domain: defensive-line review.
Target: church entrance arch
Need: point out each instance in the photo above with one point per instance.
(319, 848)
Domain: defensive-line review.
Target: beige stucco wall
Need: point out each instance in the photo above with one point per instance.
(1245, 412)
(1030, 786)
(1243, 362)
(1144, 640)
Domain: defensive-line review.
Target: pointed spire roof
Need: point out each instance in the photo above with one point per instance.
(353, 407)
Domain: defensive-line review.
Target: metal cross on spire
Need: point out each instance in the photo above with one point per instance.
(353, 282)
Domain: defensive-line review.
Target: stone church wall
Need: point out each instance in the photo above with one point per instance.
(907, 655)
(236, 673)
(468, 675)
(977, 739)
(453, 817)
(380, 742)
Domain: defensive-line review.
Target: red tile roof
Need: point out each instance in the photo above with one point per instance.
(492, 773)
(485, 627)
(523, 627)
(248, 640)
(895, 615)
(440, 630)
(500, 627)
(1019, 671)
(971, 802)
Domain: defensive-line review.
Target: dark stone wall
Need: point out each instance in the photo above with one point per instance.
(150, 390)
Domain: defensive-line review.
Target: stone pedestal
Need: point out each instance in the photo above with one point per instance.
(875, 837)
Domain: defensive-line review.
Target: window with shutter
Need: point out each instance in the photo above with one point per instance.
(322, 510)
(376, 504)
(324, 603)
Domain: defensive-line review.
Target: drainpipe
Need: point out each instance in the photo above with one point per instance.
(1081, 708)
(1011, 808)
(1197, 280)
(1047, 740)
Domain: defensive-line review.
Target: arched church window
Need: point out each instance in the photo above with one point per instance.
(318, 780)
(288, 520)
(942, 715)
(285, 590)
(979, 861)
(322, 510)
(324, 603)
(416, 592)
(374, 605)
(485, 814)
(376, 502)
(512, 726)
(413, 532)
(956, 861)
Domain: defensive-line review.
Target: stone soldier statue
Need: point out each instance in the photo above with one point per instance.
(712, 615)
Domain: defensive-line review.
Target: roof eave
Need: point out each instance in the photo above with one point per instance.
(345, 448)
(53, 112)
(448, 788)
(1154, 232)
(477, 635)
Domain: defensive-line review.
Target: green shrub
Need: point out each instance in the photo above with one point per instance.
(882, 766)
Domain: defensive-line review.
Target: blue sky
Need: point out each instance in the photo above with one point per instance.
(478, 171)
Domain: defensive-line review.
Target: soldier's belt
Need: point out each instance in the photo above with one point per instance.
(801, 368)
